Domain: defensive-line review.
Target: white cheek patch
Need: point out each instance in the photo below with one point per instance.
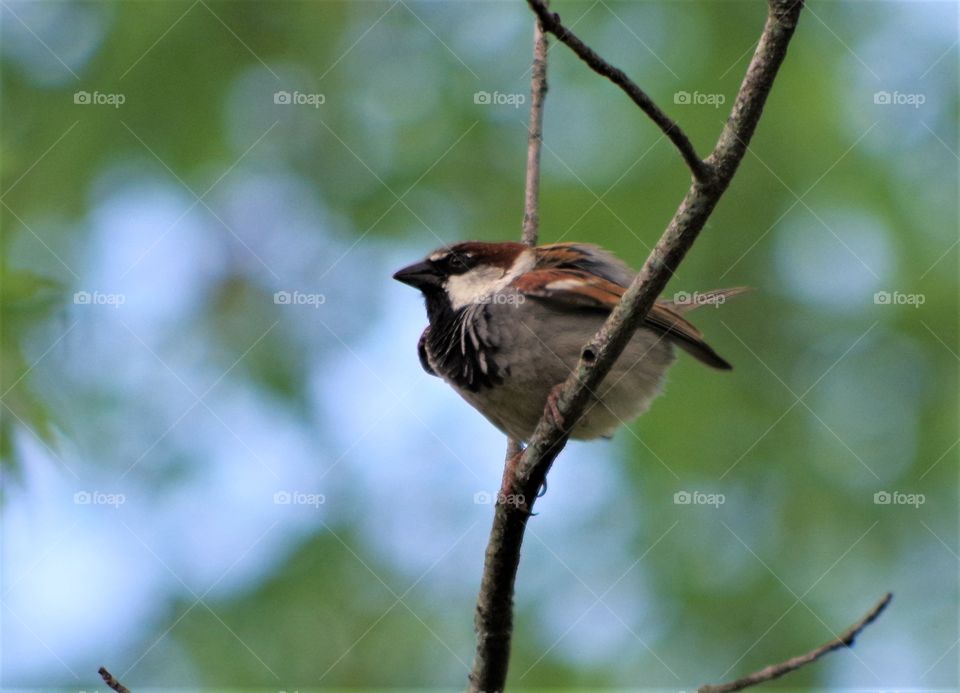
(480, 283)
(475, 286)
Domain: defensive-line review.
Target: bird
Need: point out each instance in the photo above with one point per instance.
(507, 323)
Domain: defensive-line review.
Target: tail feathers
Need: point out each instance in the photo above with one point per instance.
(704, 353)
(685, 335)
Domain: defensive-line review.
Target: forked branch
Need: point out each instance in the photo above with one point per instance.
(551, 22)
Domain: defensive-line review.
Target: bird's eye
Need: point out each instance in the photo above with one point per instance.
(453, 262)
(459, 263)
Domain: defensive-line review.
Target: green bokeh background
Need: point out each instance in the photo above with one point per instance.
(200, 579)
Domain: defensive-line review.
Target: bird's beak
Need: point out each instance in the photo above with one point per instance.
(420, 275)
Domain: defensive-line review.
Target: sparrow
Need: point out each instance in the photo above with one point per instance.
(507, 324)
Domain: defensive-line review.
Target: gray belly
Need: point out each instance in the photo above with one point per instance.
(535, 353)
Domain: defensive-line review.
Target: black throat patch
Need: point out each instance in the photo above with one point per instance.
(460, 345)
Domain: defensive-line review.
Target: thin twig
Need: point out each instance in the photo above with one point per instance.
(495, 603)
(551, 22)
(538, 92)
(775, 671)
(112, 682)
(494, 623)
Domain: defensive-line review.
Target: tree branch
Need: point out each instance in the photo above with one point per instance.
(551, 22)
(494, 613)
(112, 682)
(775, 671)
(527, 476)
(689, 219)
(538, 92)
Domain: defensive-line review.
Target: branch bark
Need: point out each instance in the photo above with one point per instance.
(711, 179)
(538, 92)
(111, 681)
(775, 671)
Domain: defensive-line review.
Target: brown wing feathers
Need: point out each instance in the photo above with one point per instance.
(565, 282)
(570, 288)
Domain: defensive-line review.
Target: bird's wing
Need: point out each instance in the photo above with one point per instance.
(572, 289)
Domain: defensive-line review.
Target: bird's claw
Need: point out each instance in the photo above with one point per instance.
(552, 409)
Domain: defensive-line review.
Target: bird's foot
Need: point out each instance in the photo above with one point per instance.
(552, 410)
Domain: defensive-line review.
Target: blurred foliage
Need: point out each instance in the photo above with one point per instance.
(27, 299)
(199, 197)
